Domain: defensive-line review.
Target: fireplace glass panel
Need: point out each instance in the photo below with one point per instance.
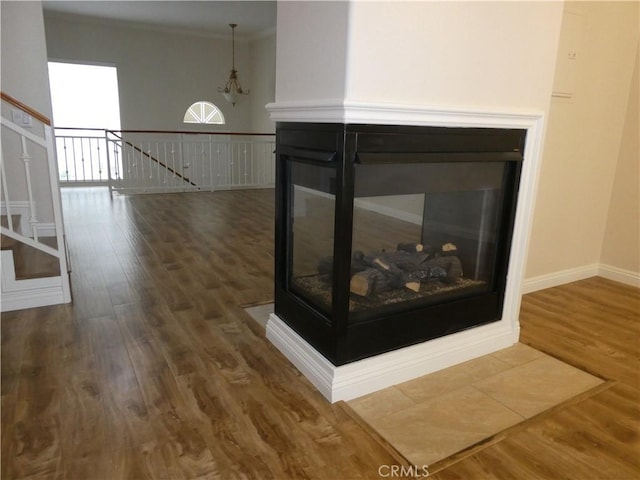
(312, 219)
(423, 233)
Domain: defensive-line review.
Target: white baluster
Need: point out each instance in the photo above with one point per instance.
(218, 170)
(5, 192)
(173, 164)
(110, 179)
(82, 160)
(66, 160)
(26, 159)
(246, 173)
(231, 165)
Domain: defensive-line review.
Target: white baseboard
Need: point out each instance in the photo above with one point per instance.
(21, 294)
(562, 277)
(621, 275)
(375, 373)
(46, 229)
(555, 279)
(33, 296)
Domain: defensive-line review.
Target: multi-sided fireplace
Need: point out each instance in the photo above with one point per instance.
(388, 236)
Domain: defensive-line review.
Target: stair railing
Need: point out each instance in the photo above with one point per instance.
(82, 156)
(126, 144)
(30, 149)
(161, 161)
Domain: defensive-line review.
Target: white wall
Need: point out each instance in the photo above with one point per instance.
(621, 244)
(464, 54)
(24, 55)
(469, 54)
(262, 78)
(311, 50)
(583, 143)
(160, 73)
(24, 76)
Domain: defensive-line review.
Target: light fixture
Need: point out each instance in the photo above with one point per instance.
(232, 88)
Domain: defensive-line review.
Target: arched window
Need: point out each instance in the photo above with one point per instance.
(204, 112)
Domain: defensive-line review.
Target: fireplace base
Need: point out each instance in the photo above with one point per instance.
(369, 375)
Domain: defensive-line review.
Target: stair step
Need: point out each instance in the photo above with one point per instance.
(7, 243)
(30, 262)
(15, 222)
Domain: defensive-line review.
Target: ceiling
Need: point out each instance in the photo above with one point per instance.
(205, 17)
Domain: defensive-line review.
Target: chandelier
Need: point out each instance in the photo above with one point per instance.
(232, 88)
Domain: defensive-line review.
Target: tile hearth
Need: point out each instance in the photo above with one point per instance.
(436, 416)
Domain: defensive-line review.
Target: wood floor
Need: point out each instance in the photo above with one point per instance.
(156, 371)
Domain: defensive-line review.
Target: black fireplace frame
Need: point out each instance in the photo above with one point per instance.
(342, 146)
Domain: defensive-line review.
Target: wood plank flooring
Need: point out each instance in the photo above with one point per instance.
(156, 372)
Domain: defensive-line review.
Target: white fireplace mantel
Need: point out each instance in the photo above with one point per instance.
(371, 374)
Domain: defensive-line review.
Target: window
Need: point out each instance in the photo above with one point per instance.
(204, 112)
(84, 96)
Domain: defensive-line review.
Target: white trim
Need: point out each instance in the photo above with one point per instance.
(375, 373)
(34, 297)
(32, 293)
(348, 111)
(621, 275)
(628, 277)
(46, 229)
(56, 202)
(569, 275)
(556, 279)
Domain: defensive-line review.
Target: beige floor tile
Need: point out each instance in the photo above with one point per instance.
(443, 426)
(435, 416)
(382, 403)
(452, 378)
(518, 354)
(260, 313)
(538, 385)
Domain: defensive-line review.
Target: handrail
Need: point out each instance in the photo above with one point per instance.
(26, 108)
(187, 132)
(152, 158)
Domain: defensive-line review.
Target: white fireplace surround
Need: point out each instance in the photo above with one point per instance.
(375, 373)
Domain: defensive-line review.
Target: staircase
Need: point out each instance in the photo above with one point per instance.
(34, 267)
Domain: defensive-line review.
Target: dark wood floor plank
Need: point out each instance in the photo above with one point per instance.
(36, 434)
(82, 413)
(16, 327)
